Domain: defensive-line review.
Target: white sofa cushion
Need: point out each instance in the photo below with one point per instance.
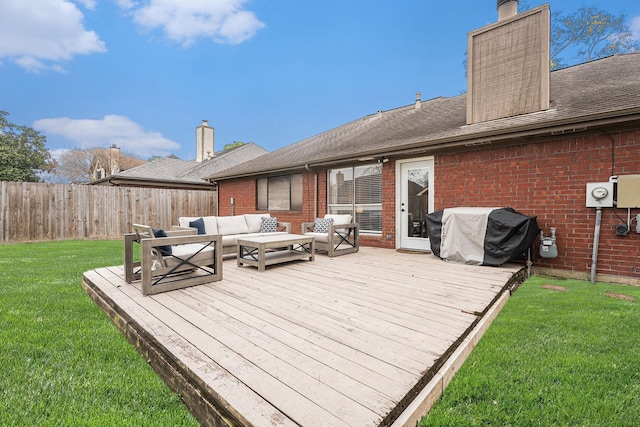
(319, 237)
(254, 221)
(232, 225)
(229, 240)
(210, 223)
(339, 219)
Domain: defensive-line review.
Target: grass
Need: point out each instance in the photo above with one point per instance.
(552, 357)
(63, 362)
(564, 356)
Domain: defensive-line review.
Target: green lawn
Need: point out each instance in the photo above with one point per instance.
(552, 358)
(63, 362)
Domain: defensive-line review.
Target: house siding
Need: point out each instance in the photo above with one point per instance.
(547, 179)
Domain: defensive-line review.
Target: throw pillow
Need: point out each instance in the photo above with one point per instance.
(166, 249)
(322, 225)
(199, 224)
(269, 225)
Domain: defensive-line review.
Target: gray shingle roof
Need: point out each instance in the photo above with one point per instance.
(173, 169)
(608, 88)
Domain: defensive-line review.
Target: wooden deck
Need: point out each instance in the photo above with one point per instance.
(357, 340)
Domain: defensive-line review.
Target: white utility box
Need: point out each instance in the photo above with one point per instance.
(600, 194)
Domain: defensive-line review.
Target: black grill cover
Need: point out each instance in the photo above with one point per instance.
(508, 235)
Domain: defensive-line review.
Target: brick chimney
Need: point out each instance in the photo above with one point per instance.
(508, 64)
(204, 142)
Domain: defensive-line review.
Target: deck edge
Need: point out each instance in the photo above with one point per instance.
(202, 404)
(420, 405)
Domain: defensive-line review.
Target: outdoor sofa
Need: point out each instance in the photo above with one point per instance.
(232, 228)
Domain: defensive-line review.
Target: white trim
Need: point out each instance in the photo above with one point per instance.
(399, 164)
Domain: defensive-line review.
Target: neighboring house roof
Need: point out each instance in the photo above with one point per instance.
(173, 172)
(600, 92)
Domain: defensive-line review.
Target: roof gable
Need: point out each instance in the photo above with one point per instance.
(173, 169)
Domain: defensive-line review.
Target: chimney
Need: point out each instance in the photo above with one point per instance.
(114, 160)
(204, 142)
(418, 102)
(508, 64)
(507, 9)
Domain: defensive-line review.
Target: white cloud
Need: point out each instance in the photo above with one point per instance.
(112, 129)
(58, 153)
(38, 34)
(89, 4)
(184, 21)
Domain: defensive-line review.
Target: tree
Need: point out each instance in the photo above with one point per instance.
(233, 144)
(593, 32)
(23, 155)
(79, 165)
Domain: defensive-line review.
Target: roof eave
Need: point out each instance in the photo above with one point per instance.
(495, 136)
(205, 185)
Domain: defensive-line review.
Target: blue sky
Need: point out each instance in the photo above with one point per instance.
(142, 74)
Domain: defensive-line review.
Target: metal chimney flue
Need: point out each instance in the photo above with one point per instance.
(507, 9)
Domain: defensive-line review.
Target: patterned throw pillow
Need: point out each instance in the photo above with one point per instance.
(269, 225)
(322, 225)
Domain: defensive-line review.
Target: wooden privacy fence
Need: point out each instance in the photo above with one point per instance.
(37, 212)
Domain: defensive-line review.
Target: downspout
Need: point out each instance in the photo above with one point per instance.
(596, 239)
(217, 210)
(315, 190)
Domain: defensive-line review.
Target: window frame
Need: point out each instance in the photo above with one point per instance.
(266, 187)
(353, 206)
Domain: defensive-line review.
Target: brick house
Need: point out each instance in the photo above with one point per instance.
(521, 137)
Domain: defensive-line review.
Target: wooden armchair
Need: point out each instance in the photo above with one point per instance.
(181, 259)
(341, 237)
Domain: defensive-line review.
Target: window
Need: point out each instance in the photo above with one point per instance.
(280, 193)
(358, 191)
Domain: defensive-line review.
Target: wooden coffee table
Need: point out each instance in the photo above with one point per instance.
(268, 250)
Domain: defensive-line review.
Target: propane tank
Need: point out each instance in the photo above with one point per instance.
(548, 248)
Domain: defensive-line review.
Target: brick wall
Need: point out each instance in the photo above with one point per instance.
(548, 179)
(244, 193)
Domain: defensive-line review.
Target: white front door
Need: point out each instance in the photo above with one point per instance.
(414, 201)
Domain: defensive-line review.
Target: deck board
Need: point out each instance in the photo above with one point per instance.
(344, 341)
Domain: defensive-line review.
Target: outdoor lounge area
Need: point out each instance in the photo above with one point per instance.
(361, 340)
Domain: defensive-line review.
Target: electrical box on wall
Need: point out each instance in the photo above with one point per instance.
(600, 194)
(628, 191)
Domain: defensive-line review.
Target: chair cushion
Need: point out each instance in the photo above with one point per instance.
(199, 225)
(269, 225)
(339, 219)
(321, 225)
(232, 225)
(185, 251)
(166, 249)
(254, 221)
(319, 237)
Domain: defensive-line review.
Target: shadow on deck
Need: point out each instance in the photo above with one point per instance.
(367, 339)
